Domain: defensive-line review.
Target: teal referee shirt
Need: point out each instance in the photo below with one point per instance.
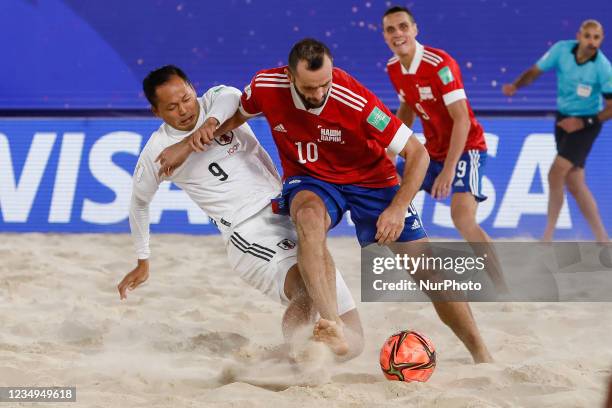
(579, 86)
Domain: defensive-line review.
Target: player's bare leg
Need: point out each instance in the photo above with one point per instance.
(578, 188)
(556, 182)
(456, 315)
(463, 213)
(316, 267)
(300, 312)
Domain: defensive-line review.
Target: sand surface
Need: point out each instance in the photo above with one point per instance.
(195, 335)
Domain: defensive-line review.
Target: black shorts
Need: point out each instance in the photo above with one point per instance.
(575, 146)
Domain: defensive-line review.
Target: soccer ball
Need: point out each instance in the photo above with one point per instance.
(408, 356)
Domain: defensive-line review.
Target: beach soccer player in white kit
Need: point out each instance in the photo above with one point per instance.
(233, 182)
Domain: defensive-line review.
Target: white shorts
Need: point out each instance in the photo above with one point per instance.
(263, 248)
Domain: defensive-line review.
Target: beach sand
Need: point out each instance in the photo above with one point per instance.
(195, 335)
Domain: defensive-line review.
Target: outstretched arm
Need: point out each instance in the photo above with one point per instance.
(144, 186)
(524, 79)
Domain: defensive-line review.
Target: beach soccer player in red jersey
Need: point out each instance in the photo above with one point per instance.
(428, 84)
(332, 135)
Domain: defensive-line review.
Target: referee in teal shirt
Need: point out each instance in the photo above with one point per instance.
(584, 75)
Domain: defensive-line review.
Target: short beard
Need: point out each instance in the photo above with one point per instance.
(307, 104)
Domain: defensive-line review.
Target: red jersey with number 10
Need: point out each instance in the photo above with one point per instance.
(341, 142)
(432, 82)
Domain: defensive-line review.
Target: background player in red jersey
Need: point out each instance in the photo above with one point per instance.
(332, 134)
(428, 83)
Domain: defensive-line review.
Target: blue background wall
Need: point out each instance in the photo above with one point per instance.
(64, 54)
(75, 176)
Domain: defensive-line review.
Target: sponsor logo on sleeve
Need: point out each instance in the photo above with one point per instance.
(247, 91)
(378, 119)
(446, 76)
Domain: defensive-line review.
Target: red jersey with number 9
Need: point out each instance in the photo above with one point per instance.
(431, 82)
(341, 142)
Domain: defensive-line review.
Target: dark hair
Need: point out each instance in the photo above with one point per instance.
(159, 77)
(399, 9)
(310, 50)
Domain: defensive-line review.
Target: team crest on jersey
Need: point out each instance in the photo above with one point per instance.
(425, 93)
(225, 139)
(286, 244)
(330, 135)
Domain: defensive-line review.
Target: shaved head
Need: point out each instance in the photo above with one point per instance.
(591, 23)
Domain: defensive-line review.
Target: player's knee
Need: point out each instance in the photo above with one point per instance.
(310, 220)
(556, 175)
(573, 185)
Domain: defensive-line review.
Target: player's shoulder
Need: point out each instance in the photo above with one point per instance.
(271, 73)
(154, 145)
(393, 61)
(344, 81)
(394, 66)
(217, 89)
(348, 90)
(564, 45)
(273, 79)
(276, 70)
(436, 57)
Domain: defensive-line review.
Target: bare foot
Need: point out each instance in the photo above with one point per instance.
(332, 334)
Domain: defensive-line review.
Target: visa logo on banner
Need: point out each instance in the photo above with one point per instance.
(74, 175)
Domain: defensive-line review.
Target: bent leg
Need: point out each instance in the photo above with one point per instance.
(312, 221)
(301, 312)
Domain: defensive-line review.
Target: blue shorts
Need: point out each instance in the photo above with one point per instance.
(365, 204)
(468, 174)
